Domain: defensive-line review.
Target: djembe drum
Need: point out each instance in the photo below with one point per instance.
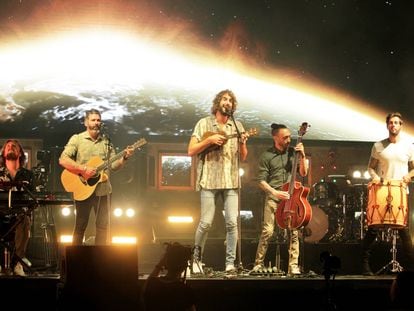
(387, 208)
(387, 205)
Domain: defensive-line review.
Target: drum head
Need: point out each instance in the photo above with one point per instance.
(317, 227)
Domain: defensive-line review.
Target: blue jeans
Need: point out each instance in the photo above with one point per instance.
(231, 210)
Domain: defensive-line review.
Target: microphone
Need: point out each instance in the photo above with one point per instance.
(102, 132)
(227, 111)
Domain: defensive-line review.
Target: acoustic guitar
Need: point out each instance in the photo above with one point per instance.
(295, 212)
(83, 188)
(251, 132)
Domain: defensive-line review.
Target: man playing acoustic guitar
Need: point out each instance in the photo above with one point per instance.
(81, 158)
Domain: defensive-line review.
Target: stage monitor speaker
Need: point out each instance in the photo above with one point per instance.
(101, 277)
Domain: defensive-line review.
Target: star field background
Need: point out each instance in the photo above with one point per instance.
(363, 48)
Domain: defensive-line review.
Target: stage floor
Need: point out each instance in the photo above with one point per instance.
(348, 290)
(218, 291)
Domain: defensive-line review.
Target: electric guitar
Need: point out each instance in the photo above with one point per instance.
(83, 188)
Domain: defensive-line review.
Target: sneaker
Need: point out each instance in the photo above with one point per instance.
(258, 268)
(230, 268)
(294, 270)
(197, 267)
(18, 270)
(27, 261)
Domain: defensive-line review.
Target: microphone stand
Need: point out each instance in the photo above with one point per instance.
(108, 201)
(239, 249)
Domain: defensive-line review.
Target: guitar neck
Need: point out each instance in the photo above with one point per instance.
(231, 136)
(106, 164)
(119, 155)
(294, 168)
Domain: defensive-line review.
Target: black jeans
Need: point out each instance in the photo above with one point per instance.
(83, 210)
(406, 243)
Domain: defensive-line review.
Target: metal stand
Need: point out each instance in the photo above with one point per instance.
(393, 266)
(239, 237)
(6, 240)
(49, 238)
(276, 270)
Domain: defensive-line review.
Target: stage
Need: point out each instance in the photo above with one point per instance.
(241, 292)
(117, 279)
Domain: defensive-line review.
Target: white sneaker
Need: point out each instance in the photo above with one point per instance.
(258, 268)
(294, 270)
(18, 270)
(230, 268)
(197, 267)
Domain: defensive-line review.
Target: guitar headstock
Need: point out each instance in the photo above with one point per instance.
(253, 131)
(139, 143)
(303, 129)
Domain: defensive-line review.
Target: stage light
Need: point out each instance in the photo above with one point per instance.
(124, 240)
(118, 212)
(245, 214)
(367, 175)
(130, 212)
(180, 219)
(241, 172)
(66, 211)
(66, 239)
(356, 174)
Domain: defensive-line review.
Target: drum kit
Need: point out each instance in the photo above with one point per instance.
(341, 213)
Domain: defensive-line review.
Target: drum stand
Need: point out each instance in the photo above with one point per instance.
(393, 266)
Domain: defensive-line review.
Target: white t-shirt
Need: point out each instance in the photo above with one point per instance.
(393, 158)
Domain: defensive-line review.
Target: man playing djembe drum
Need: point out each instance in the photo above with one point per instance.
(391, 165)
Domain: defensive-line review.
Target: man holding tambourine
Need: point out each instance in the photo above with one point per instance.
(391, 167)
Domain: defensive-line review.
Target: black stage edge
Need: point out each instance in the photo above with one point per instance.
(236, 293)
(108, 290)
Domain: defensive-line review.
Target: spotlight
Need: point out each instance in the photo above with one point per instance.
(66, 239)
(130, 212)
(65, 211)
(356, 174)
(124, 240)
(118, 212)
(367, 175)
(180, 219)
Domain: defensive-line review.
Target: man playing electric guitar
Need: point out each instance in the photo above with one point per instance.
(78, 158)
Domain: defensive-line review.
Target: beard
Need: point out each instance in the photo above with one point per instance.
(12, 156)
(95, 128)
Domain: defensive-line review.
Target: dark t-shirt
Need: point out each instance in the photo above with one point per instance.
(161, 293)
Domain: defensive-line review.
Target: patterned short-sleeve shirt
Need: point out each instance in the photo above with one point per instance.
(218, 167)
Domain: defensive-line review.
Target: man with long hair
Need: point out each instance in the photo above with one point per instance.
(216, 143)
(16, 177)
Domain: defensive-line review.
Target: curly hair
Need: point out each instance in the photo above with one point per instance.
(219, 96)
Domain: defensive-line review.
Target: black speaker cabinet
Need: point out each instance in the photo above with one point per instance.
(100, 277)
